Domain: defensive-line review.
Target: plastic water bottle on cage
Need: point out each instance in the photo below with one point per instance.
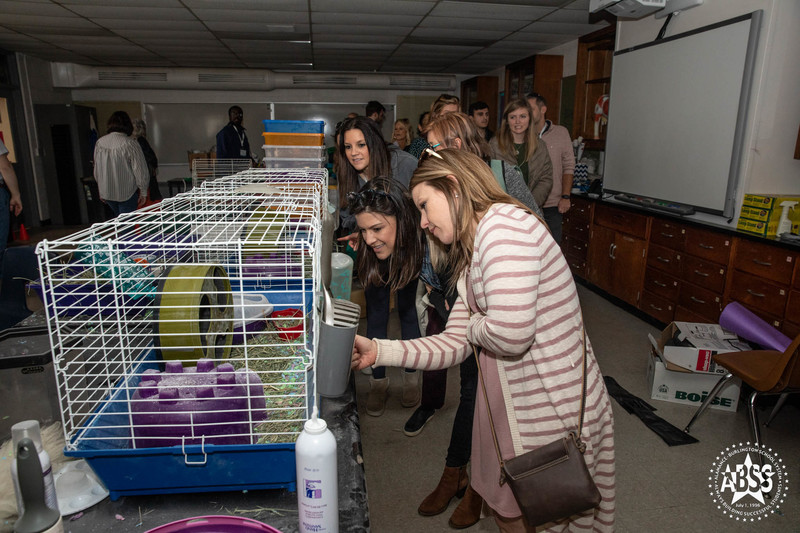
(37, 516)
(317, 479)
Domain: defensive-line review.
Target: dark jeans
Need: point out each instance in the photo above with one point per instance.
(554, 220)
(434, 387)
(127, 206)
(378, 316)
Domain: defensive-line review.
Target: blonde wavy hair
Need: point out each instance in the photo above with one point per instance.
(505, 141)
(442, 100)
(452, 126)
(477, 190)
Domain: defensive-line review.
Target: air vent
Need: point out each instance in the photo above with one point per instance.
(218, 77)
(131, 76)
(316, 79)
(415, 82)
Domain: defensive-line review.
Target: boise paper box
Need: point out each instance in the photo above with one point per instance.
(689, 388)
(698, 343)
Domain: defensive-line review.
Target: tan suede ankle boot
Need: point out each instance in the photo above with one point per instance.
(453, 484)
(376, 401)
(468, 511)
(411, 389)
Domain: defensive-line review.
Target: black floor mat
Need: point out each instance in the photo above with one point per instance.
(636, 406)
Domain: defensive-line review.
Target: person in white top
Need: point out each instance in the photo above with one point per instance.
(120, 168)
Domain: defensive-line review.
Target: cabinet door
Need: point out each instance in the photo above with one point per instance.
(629, 260)
(601, 263)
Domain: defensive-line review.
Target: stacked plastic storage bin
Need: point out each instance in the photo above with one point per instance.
(183, 334)
(294, 144)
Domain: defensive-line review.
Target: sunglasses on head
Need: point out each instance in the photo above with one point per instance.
(428, 153)
(365, 198)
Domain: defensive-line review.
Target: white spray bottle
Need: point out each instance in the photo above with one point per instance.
(785, 225)
(317, 477)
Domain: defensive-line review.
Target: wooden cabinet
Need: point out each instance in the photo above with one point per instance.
(761, 280)
(537, 74)
(576, 227)
(703, 271)
(617, 252)
(482, 89)
(676, 270)
(592, 80)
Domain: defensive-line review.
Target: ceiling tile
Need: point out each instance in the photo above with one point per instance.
(274, 5)
(321, 38)
(349, 30)
(360, 19)
(471, 24)
(572, 16)
(560, 28)
(264, 16)
(450, 8)
(380, 7)
(132, 12)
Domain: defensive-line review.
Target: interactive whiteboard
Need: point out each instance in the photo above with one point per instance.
(677, 115)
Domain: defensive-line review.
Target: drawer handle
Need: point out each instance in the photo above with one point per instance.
(668, 236)
(756, 294)
(762, 263)
(656, 307)
(697, 300)
(706, 246)
(662, 259)
(704, 274)
(656, 282)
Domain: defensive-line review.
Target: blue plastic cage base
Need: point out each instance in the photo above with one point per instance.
(172, 470)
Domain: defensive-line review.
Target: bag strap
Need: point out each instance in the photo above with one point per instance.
(577, 438)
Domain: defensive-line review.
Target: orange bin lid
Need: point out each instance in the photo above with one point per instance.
(294, 139)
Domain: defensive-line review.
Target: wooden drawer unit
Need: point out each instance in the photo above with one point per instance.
(621, 220)
(661, 284)
(580, 210)
(657, 307)
(667, 233)
(664, 259)
(577, 247)
(764, 260)
(707, 244)
(699, 301)
(703, 273)
(757, 293)
(793, 307)
(577, 265)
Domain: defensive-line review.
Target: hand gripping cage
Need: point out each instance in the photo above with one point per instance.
(183, 334)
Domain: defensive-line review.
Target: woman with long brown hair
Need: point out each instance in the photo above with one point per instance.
(518, 144)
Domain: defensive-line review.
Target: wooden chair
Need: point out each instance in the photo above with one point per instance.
(766, 371)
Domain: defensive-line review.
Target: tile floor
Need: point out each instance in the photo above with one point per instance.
(659, 488)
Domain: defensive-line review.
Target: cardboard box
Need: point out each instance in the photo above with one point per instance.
(706, 340)
(761, 214)
(764, 201)
(689, 388)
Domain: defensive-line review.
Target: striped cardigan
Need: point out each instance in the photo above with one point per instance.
(527, 321)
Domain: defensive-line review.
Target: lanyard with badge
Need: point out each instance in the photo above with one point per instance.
(242, 136)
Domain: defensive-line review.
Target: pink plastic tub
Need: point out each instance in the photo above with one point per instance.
(215, 524)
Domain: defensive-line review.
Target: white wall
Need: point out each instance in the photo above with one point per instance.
(774, 114)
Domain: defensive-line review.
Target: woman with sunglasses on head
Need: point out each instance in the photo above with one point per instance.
(518, 144)
(457, 131)
(444, 103)
(518, 306)
(363, 155)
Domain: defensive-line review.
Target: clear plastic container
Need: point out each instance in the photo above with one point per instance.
(294, 152)
(281, 162)
(294, 139)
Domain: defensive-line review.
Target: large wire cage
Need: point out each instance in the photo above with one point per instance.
(190, 323)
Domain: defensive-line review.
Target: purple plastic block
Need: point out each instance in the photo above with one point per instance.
(219, 404)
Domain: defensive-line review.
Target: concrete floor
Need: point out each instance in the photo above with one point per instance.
(659, 488)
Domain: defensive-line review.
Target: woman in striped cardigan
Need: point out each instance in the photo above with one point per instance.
(518, 304)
